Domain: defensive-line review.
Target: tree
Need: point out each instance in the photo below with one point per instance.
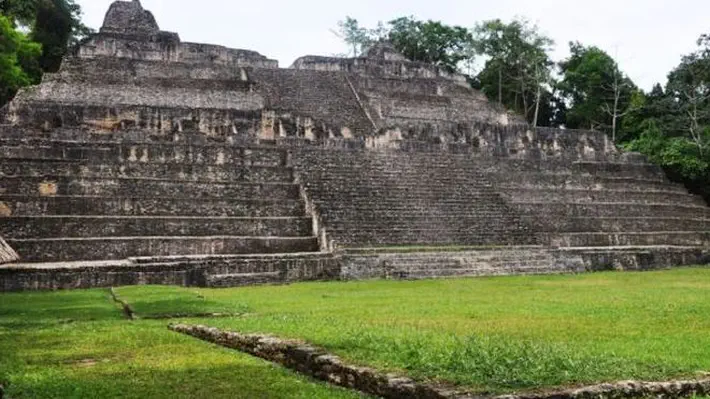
(672, 127)
(449, 47)
(689, 84)
(16, 57)
(432, 42)
(620, 87)
(599, 94)
(518, 70)
(54, 25)
(357, 37)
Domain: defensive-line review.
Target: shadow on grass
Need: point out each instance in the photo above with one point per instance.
(184, 306)
(242, 379)
(24, 310)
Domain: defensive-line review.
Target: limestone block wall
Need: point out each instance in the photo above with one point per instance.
(112, 70)
(324, 97)
(167, 47)
(122, 120)
(515, 142)
(411, 103)
(226, 95)
(371, 64)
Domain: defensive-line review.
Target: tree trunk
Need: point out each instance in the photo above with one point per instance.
(537, 105)
(500, 85)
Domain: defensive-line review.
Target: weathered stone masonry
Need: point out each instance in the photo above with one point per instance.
(147, 159)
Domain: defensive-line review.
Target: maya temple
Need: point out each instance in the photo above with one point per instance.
(149, 160)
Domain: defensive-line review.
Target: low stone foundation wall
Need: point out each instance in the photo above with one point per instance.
(7, 254)
(640, 259)
(321, 365)
(79, 275)
(316, 363)
(213, 271)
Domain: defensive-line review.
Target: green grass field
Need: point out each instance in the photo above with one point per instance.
(490, 334)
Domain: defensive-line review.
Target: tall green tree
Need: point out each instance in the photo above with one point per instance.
(358, 38)
(54, 25)
(450, 47)
(518, 72)
(672, 127)
(689, 86)
(432, 41)
(17, 55)
(598, 93)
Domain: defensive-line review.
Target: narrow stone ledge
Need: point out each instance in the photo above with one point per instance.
(628, 389)
(319, 364)
(127, 309)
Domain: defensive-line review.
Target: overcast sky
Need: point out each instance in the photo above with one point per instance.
(648, 37)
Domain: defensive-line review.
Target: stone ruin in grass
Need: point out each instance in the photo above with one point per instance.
(150, 160)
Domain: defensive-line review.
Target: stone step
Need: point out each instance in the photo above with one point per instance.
(348, 237)
(674, 238)
(599, 196)
(463, 257)
(108, 152)
(185, 172)
(377, 182)
(480, 271)
(532, 180)
(404, 200)
(621, 170)
(452, 264)
(112, 248)
(543, 223)
(287, 266)
(437, 211)
(487, 269)
(434, 232)
(57, 185)
(392, 217)
(20, 205)
(612, 209)
(23, 227)
(243, 279)
(219, 259)
(421, 189)
(26, 135)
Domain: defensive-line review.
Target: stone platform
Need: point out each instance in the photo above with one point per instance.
(146, 159)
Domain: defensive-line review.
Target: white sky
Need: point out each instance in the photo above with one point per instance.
(647, 37)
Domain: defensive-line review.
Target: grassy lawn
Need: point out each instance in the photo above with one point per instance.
(493, 334)
(77, 345)
(490, 334)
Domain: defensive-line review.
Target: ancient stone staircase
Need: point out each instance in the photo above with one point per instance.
(419, 215)
(390, 198)
(143, 204)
